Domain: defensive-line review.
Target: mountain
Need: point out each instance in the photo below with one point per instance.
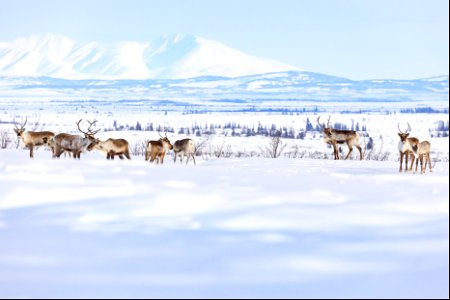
(180, 67)
(169, 57)
(291, 85)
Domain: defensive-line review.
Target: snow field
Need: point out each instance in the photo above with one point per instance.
(226, 227)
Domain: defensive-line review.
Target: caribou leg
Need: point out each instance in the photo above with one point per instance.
(407, 159)
(427, 160)
(350, 149)
(360, 152)
(413, 157)
(336, 151)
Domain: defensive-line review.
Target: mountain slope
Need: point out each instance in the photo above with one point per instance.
(169, 57)
(291, 85)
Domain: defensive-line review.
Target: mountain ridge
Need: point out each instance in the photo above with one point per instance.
(172, 56)
(300, 85)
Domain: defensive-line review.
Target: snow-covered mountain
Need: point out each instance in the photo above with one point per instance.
(180, 67)
(291, 85)
(169, 57)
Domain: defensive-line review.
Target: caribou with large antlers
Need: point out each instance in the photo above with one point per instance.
(32, 139)
(334, 137)
(157, 149)
(74, 143)
(407, 146)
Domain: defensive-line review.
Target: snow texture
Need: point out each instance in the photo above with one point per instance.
(224, 228)
(170, 56)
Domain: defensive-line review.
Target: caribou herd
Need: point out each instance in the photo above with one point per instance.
(74, 145)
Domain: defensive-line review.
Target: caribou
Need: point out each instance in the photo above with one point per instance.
(111, 147)
(31, 139)
(157, 149)
(184, 147)
(407, 146)
(423, 151)
(334, 137)
(73, 143)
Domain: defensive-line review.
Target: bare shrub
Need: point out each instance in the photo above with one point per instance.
(274, 149)
(219, 151)
(200, 146)
(374, 154)
(438, 158)
(297, 152)
(36, 126)
(228, 152)
(5, 139)
(138, 147)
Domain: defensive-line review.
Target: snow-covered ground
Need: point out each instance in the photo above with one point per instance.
(249, 227)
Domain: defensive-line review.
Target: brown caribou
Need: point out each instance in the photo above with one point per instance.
(333, 137)
(73, 143)
(184, 147)
(423, 152)
(32, 139)
(407, 146)
(111, 147)
(157, 149)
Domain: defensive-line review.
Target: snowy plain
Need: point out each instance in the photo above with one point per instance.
(225, 228)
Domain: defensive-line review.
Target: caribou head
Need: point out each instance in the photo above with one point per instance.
(403, 135)
(21, 130)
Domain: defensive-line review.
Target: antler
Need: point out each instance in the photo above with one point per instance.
(78, 125)
(90, 125)
(165, 133)
(22, 126)
(321, 126)
(89, 131)
(409, 128)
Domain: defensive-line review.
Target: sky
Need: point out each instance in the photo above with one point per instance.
(357, 39)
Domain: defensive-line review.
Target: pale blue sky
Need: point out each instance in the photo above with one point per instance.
(356, 39)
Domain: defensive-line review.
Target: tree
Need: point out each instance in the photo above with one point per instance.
(370, 143)
(138, 126)
(301, 135)
(309, 126)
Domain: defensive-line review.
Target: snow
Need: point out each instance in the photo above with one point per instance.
(170, 56)
(214, 58)
(224, 228)
(131, 54)
(295, 85)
